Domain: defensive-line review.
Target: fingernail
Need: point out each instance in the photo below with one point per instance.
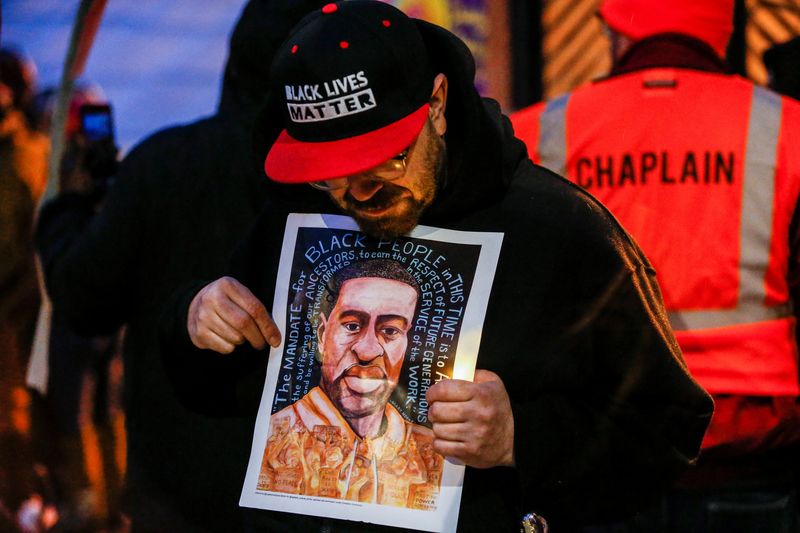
(274, 341)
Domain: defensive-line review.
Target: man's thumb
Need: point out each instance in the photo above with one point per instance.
(483, 376)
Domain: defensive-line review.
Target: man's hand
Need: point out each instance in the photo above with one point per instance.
(225, 314)
(472, 421)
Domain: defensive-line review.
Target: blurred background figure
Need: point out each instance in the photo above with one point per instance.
(23, 171)
(119, 265)
(702, 167)
(81, 411)
(783, 65)
(18, 77)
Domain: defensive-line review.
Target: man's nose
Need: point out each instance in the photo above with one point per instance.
(363, 187)
(368, 347)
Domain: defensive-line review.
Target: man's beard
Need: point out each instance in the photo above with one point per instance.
(387, 227)
(390, 227)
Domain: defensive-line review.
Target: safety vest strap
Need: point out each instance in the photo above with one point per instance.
(749, 349)
(553, 135)
(744, 314)
(752, 359)
(758, 195)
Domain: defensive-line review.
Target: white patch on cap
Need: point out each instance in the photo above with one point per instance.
(330, 100)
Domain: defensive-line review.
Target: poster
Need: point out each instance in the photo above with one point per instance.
(368, 326)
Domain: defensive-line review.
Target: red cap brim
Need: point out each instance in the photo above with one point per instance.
(293, 161)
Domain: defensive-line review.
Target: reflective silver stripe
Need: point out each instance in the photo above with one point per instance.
(690, 320)
(553, 135)
(758, 194)
(755, 233)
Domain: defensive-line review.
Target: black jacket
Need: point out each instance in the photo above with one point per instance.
(181, 201)
(605, 413)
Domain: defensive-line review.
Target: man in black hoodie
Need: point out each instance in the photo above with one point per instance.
(581, 408)
(117, 267)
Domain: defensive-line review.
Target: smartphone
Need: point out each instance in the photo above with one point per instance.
(97, 124)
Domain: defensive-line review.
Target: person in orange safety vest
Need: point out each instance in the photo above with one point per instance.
(703, 168)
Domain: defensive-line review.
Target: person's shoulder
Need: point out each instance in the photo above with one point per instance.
(543, 202)
(165, 139)
(537, 192)
(789, 158)
(527, 116)
(791, 111)
(37, 141)
(27, 142)
(177, 157)
(526, 126)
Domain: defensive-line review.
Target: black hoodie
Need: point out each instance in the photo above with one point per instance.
(181, 201)
(605, 413)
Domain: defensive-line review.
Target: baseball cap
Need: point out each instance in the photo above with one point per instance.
(711, 21)
(353, 80)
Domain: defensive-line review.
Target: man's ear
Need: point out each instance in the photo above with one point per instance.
(323, 322)
(438, 104)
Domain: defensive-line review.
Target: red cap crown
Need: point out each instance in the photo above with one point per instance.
(354, 91)
(711, 21)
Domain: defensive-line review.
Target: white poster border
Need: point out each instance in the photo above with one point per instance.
(444, 518)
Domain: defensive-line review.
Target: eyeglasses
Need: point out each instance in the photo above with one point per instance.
(390, 170)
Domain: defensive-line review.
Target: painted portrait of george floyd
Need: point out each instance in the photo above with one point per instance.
(343, 439)
(369, 326)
